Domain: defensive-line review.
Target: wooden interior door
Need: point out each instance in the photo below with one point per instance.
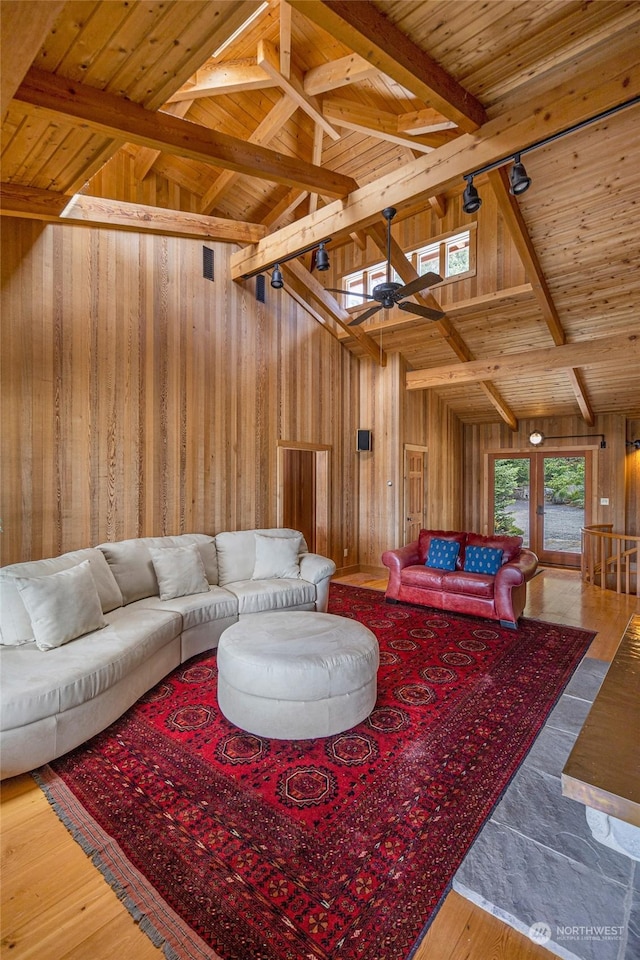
(299, 493)
(414, 492)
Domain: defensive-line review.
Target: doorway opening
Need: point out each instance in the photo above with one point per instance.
(545, 498)
(303, 492)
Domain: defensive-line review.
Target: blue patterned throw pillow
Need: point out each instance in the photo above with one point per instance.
(482, 559)
(442, 554)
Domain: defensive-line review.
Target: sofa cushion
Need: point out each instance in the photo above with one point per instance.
(510, 546)
(179, 571)
(36, 686)
(257, 596)
(237, 552)
(197, 608)
(131, 564)
(429, 578)
(482, 559)
(468, 584)
(62, 606)
(15, 623)
(442, 554)
(426, 536)
(277, 557)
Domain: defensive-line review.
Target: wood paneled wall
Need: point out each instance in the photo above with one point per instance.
(613, 473)
(397, 417)
(140, 399)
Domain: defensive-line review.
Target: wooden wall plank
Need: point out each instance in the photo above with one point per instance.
(140, 398)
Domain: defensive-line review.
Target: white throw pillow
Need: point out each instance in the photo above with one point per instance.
(276, 557)
(180, 571)
(62, 606)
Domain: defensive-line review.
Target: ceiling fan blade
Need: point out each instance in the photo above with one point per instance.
(365, 316)
(426, 280)
(349, 293)
(421, 311)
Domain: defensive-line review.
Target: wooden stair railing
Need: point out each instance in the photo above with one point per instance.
(610, 559)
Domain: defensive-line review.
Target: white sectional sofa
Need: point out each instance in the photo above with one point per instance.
(85, 634)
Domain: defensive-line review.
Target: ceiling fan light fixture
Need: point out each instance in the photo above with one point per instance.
(276, 278)
(471, 202)
(518, 178)
(322, 258)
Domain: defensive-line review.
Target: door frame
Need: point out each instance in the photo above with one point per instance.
(322, 506)
(536, 522)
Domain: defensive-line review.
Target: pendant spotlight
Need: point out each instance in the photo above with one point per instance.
(470, 199)
(322, 258)
(518, 178)
(276, 277)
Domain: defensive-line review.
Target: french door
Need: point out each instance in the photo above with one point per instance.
(545, 499)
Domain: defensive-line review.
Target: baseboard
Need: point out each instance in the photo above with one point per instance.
(374, 572)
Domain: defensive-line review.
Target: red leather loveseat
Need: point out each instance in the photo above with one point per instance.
(461, 579)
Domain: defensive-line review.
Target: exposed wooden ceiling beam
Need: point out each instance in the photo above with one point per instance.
(377, 123)
(290, 202)
(337, 73)
(146, 157)
(22, 32)
(284, 13)
(119, 118)
(438, 204)
(31, 202)
(333, 308)
(444, 326)
(587, 353)
(269, 61)
(224, 78)
(264, 132)
(514, 220)
(366, 31)
(579, 98)
(512, 214)
(577, 383)
(423, 121)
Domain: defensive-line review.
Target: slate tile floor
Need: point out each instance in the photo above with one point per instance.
(535, 864)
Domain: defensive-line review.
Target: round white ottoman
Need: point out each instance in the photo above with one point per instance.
(297, 675)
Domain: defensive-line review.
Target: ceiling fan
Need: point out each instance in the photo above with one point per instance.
(390, 294)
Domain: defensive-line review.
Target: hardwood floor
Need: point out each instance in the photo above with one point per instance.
(56, 906)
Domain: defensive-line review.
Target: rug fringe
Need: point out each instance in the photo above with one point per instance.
(44, 777)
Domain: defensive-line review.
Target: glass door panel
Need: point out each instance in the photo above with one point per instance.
(543, 499)
(563, 508)
(511, 503)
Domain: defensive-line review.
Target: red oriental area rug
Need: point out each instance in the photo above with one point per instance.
(223, 844)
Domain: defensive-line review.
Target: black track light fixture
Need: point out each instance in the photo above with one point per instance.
(322, 258)
(471, 202)
(518, 178)
(276, 278)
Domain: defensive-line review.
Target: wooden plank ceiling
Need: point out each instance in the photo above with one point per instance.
(318, 113)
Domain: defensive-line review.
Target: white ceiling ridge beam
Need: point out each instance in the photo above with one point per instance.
(269, 60)
(581, 98)
(582, 354)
